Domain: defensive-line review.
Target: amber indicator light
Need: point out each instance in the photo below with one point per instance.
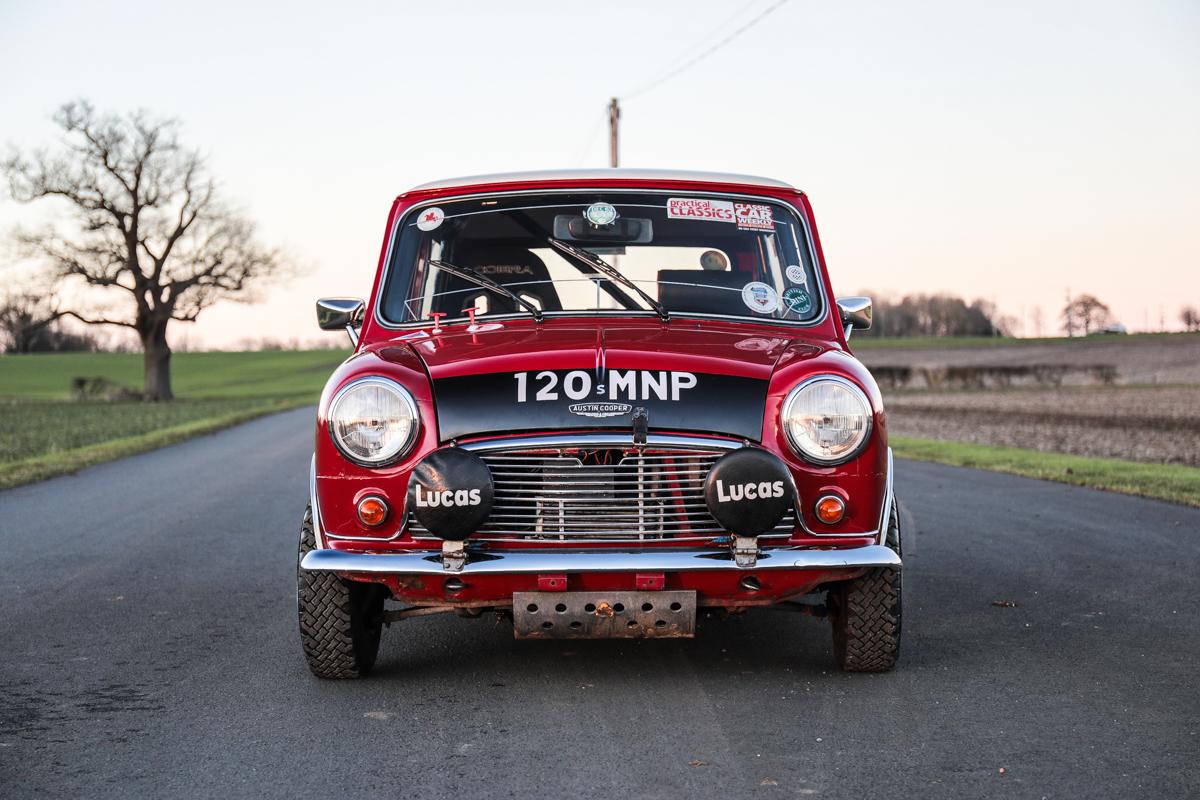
(372, 511)
(831, 509)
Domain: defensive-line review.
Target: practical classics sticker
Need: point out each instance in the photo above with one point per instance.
(700, 209)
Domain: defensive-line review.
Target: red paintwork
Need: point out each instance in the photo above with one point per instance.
(712, 588)
(570, 343)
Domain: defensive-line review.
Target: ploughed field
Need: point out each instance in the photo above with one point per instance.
(1125, 397)
(1156, 424)
(974, 362)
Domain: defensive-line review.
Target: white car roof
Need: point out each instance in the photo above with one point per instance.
(583, 175)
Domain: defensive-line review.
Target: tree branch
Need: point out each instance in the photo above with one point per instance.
(98, 320)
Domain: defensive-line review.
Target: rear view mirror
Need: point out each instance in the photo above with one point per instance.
(625, 230)
(855, 313)
(341, 313)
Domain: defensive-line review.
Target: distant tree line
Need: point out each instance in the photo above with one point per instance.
(32, 323)
(937, 315)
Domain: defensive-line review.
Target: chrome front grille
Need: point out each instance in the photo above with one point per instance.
(601, 493)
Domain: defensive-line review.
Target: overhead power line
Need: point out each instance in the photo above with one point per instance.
(704, 54)
(591, 138)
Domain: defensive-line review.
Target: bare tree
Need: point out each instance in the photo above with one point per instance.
(1190, 318)
(25, 321)
(1039, 320)
(1086, 312)
(144, 224)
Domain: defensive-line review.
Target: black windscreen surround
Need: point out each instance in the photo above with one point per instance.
(710, 255)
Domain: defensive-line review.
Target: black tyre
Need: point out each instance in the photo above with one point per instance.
(340, 621)
(866, 614)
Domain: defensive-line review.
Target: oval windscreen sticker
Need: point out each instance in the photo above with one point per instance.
(430, 218)
(796, 274)
(760, 297)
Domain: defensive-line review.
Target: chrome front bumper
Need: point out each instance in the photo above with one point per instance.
(575, 561)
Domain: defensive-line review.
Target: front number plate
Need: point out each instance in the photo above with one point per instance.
(604, 615)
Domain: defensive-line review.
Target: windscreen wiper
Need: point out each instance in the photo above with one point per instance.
(468, 274)
(609, 271)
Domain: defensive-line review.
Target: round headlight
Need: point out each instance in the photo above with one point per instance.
(373, 421)
(827, 419)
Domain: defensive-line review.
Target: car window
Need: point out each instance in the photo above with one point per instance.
(695, 255)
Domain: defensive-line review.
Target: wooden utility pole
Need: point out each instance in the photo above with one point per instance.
(614, 116)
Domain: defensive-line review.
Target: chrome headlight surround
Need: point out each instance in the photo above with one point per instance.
(394, 450)
(804, 446)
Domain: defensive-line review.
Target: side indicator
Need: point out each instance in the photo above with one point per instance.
(830, 509)
(372, 511)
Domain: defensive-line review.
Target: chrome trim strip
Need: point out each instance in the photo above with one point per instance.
(318, 533)
(385, 278)
(576, 561)
(342, 538)
(610, 174)
(598, 440)
(714, 539)
(668, 440)
(885, 516)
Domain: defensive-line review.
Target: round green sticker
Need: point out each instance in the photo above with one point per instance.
(797, 300)
(600, 214)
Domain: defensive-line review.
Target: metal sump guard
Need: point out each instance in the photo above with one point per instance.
(604, 615)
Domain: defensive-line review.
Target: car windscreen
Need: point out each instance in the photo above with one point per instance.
(690, 254)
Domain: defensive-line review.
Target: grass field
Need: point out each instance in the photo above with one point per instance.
(44, 433)
(1178, 484)
(275, 374)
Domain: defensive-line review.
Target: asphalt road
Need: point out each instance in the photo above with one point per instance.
(148, 648)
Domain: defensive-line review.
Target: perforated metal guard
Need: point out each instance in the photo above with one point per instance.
(604, 615)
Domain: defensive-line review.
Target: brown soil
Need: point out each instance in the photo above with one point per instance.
(1137, 360)
(1153, 424)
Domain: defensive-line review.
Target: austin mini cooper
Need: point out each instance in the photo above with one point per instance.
(599, 404)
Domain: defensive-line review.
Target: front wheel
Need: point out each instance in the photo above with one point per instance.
(340, 621)
(866, 614)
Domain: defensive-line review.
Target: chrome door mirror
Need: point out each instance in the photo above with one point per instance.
(855, 313)
(341, 313)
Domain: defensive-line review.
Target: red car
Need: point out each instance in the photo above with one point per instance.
(596, 403)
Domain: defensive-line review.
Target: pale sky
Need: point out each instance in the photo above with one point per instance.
(1002, 150)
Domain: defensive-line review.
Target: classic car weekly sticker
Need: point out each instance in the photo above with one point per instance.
(430, 218)
(753, 217)
(796, 274)
(797, 300)
(699, 208)
(760, 297)
(600, 214)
